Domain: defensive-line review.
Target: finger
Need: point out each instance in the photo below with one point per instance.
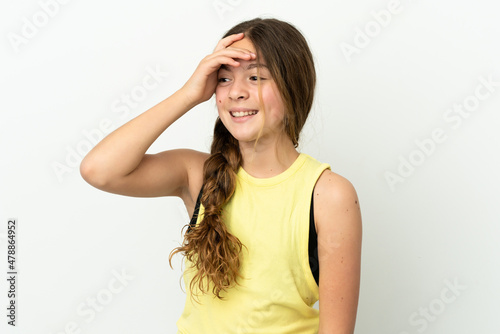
(250, 52)
(216, 62)
(225, 42)
(228, 61)
(236, 53)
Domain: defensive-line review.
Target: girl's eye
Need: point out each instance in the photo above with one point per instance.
(223, 80)
(255, 78)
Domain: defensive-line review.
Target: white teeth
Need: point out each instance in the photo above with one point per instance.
(243, 113)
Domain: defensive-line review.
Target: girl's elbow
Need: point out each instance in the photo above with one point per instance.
(91, 174)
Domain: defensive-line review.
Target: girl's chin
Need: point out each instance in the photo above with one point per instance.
(242, 133)
(244, 138)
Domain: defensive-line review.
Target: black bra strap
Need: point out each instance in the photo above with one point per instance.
(313, 244)
(192, 223)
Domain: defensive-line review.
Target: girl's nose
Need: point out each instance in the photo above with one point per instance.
(238, 90)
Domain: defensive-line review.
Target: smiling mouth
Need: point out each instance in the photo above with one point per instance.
(243, 113)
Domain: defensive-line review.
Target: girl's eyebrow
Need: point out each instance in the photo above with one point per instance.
(249, 67)
(254, 65)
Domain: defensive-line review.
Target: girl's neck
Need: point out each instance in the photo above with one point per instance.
(268, 159)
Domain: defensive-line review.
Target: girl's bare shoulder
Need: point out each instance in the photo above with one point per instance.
(334, 195)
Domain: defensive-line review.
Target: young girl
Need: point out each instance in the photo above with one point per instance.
(273, 230)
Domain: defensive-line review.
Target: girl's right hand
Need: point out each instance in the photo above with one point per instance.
(201, 85)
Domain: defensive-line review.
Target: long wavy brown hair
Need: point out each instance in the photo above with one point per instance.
(209, 246)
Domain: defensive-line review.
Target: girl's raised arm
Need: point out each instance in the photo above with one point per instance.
(119, 163)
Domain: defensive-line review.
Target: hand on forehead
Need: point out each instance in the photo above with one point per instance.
(244, 43)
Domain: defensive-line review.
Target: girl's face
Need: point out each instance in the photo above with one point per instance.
(237, 96)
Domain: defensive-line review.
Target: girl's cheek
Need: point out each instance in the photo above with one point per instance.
(218, 101)
(218, 95)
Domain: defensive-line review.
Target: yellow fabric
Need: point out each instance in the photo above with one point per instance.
(271, 218)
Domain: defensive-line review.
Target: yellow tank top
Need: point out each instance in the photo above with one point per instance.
(276, 295)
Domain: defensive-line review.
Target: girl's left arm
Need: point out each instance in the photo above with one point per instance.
(338, 224)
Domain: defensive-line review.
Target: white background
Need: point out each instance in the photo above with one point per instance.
(435, 226)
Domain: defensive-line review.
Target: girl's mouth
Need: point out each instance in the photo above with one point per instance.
(237, 114)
